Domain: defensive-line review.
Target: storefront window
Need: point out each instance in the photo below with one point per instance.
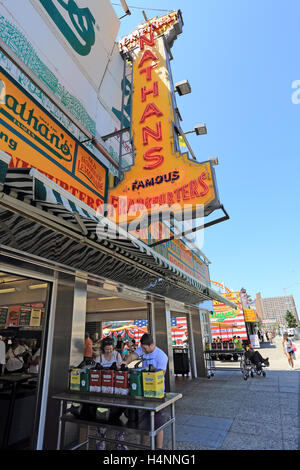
(23, 312)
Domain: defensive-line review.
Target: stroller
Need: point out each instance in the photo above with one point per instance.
(248, 368)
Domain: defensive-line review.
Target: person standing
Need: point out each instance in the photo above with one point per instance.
(288, 350)
(14, 357)
(96, 345)
(88, 348)
(152, 355)
(107, 358)
(120, 344)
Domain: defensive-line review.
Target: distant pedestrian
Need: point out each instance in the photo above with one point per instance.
(288, 350)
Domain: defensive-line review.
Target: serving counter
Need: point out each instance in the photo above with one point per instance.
(143, 427)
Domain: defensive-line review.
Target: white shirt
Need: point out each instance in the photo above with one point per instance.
(34, 369)
(157, 358)
(116, 357)
(13, 362)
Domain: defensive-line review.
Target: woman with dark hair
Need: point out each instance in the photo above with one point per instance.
(107, 358)
(108, 355)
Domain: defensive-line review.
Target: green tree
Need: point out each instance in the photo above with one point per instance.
(290, 319)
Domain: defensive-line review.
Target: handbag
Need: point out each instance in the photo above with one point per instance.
(294, 348)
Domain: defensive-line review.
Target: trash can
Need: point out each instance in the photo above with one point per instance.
(181, 361)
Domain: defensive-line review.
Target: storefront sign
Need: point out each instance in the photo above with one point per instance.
(70, 46)
(250, 315)
(34, 139)
(161, 179)
(177, 252)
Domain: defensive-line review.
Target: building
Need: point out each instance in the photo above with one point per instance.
(275, 308)
(74, 105)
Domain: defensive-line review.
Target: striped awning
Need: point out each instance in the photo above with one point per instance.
(35, 189)
(4, 162)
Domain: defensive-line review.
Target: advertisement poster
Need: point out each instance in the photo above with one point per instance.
(13, 315)
(35, 318)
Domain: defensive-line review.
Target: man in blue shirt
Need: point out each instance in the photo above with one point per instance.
(159, 360)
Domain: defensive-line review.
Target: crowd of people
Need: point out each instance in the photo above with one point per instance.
(93, 347)
(19, 355)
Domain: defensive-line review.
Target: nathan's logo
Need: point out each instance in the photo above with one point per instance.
(35, 126)
(82, 21)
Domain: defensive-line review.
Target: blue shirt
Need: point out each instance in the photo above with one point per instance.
(157, 358)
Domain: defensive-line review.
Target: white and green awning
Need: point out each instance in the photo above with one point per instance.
(36, 190)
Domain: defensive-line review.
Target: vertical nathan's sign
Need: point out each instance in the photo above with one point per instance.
(162, 177)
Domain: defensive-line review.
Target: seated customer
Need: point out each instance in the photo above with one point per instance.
(255, 357)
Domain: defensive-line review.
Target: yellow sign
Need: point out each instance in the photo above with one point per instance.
(250, 315)
(162, 179)
(34, 139)
(35, 318)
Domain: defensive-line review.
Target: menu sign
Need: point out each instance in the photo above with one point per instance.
(35, 318)
(3, 315)
(13, 315)
(25, 313)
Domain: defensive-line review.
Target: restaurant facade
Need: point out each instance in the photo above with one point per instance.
(81, 157)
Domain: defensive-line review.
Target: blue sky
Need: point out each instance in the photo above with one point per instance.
(241, 58)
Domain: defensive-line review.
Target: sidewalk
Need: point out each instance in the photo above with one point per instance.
(226, 412)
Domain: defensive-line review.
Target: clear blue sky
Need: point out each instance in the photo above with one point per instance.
(241, 57)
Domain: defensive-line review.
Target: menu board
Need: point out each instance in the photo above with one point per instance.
(3, 315)
(13, 315)
(25, 313)
(22, 315)
(35, 318)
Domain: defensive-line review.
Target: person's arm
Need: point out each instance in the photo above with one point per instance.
(130, 358)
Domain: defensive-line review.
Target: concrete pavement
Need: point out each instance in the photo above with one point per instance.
(228, 413)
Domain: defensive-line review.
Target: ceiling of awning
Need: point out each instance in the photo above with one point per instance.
(47, 221)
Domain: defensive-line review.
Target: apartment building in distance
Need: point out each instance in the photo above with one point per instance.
(275, 308)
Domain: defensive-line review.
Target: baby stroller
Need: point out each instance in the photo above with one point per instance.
(248, 368)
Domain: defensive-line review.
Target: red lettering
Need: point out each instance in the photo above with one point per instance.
(148, 71)
(90, 201)
(151, 110)
(147, 55)
(194, 189)
(156, 159)
(203, 184)
(144, 40)
(162, 199)
(157, 135)
(177, 193)
(185, 192)
(74, 190)
(145, 92)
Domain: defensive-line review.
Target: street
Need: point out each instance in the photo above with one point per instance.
(228, 413)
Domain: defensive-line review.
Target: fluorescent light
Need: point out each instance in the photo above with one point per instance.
(6, 291)
(38, 286)
(106, 298)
